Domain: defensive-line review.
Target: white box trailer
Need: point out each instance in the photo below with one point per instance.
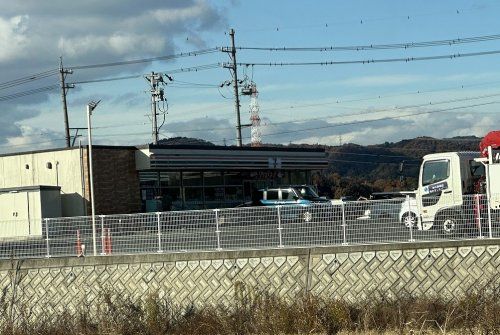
(22, 210)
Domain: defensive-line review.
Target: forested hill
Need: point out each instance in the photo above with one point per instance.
(357, 170)
(383, 161)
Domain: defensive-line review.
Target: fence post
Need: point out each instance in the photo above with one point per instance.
(410, 224)
(47, 237)
(280, 228)
(103, 250)
(478, 208)
(488, 203)
(158, 227)
(217, 230)
(344, 225)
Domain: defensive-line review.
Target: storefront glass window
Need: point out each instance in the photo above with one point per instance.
(148, 179)
(192, 179)
(193, 197)
(234, 193)
(170, 179)
(171, 198)
(212, 178)
(233, 178)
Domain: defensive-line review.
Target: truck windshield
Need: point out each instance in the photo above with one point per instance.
(435, 171)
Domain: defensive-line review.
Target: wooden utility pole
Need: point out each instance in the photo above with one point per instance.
(235, 85)
(64, 88)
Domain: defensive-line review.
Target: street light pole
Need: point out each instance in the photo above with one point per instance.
(90, 107)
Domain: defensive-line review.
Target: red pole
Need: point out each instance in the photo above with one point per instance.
(107, 242)
(78, 244)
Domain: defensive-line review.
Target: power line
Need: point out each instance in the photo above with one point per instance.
(365, 112)
(369, 61)
(24, 93)
(386, 118)
(179, 70)
(26, 79)
(360, 21)
(375, 120)
(397, 108)
(341, 100)
(378, 97)
(407, 45)
(31, 143)
(107, 79)
(146, 60)
(194, 68)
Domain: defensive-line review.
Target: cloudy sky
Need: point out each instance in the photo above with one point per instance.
(365, 103)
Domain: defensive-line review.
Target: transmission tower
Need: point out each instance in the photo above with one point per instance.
(256, 140)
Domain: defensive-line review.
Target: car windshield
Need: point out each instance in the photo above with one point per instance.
(306, 192)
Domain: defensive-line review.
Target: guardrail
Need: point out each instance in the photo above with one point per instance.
(345, 223)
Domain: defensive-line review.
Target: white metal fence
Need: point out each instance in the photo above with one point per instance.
(345, 223)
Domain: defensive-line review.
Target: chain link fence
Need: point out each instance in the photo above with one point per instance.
(326, 224)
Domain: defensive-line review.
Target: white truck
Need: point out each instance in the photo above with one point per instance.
(456, 190)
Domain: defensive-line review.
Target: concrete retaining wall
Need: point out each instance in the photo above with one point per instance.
(66, 284)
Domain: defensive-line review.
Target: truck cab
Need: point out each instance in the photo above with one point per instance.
(443, 181)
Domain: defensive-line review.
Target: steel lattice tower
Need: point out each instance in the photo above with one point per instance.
(256, 140)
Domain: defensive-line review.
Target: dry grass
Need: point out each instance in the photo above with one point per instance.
(257, 312)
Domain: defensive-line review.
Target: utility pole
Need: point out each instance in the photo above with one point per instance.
(156, 95)
(63, 72)
(235, 85)
(90, 107)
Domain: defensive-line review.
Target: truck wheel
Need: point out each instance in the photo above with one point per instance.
(409, 220)
(449, 225)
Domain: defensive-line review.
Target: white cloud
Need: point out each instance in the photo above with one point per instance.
(119, 44)
(13, 37)
(33, 34)
(176, 15)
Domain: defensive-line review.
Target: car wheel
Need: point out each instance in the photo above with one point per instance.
(409, 220)
(307, 216)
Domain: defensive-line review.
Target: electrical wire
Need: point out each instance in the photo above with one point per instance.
(145, 60)
(31, 143)
(30, 92)
(370, 112)
(106, 79)
(386, 118)
(378, 97)
(360, 20)
(407, 45)
(370, 61)
(374, 120)
(194, 68)
(26, 79)
(397, 108)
